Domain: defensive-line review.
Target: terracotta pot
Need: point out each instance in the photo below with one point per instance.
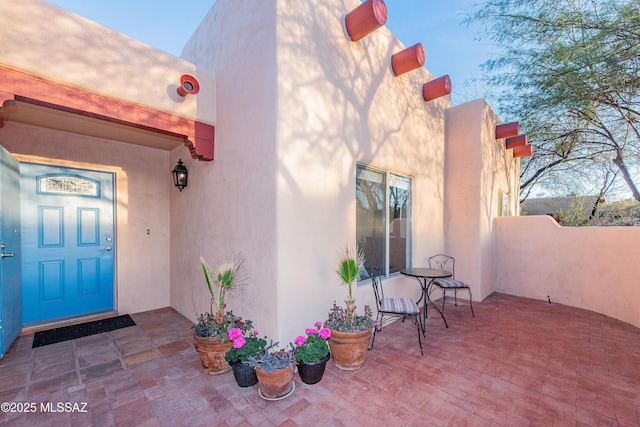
(212, 352)
(311, 373)
(349, 349)
(276, 384)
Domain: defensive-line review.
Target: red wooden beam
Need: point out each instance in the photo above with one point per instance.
(507, 129)
(198, 136)
(408, 59)
(365, 19)
(515, 141)
(436, 88)
(523, 151)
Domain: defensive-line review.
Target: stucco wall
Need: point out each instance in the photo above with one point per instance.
(340, 104)
(477, 170)
(230, 204)
(142, 190)
(50, 42)
(595, 268)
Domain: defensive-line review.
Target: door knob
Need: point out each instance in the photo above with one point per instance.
(108, 248)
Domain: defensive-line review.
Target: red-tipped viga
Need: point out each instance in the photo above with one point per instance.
(408, 59)
(365, 19)
(516, 141)
(523, 151)
(507, 130)
(436, 88)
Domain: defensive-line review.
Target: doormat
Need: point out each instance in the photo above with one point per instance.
(72, 332)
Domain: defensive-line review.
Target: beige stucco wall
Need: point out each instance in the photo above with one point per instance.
(230, 204)
(142, 192)
(595, 268)
(47, 41)
(339, 104)
(477, 170)
(298, 106)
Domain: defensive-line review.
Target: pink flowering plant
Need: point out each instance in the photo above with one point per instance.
(312, 347)
(245, 344)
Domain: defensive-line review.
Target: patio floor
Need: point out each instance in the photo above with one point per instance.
(518, 362)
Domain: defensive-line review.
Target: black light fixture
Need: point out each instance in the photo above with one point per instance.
(180, 175)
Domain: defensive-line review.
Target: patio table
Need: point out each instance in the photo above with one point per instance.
(426, 276)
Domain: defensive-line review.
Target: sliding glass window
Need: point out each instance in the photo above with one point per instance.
(383, 219)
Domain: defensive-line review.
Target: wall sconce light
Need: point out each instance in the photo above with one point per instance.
(188, 85)
(180, 175)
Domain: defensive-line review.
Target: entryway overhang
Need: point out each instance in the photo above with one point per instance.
(36, 101)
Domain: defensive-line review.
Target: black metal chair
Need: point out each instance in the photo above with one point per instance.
(448, 263)
(392, 308)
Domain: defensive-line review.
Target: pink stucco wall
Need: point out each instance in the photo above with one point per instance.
(595, 268)
(142, 191)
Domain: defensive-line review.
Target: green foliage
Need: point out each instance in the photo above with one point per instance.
(207, 326)
(620, 213)
(272, 360)
(350, 266)
(314, 349)
(338, 320)
(569, 72)
(578, 213)
(253, 345)
(229, 274)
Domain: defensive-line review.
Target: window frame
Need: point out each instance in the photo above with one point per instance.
(386, 220)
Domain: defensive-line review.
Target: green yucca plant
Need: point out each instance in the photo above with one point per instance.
(350, 266)
(227, 276)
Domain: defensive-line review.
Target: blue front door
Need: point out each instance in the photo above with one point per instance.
(67, 242)
(10, 317)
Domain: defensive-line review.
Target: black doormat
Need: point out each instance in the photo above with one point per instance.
(72, 332)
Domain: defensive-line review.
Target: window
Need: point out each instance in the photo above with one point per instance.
(383, 219)
(503, 203)
(68, 185)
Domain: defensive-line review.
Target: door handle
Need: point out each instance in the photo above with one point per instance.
(3, 254)
(108, 249)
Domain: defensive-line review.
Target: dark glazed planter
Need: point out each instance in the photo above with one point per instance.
(349, 349)
(311, 373)
(244, 374)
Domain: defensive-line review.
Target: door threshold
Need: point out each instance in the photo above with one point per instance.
(32, 328)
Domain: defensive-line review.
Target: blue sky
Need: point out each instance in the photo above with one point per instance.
(449, 45)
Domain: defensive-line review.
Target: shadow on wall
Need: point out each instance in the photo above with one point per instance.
(339, 104)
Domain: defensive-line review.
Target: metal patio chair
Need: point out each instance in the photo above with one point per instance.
(392, 308)
(446, 262)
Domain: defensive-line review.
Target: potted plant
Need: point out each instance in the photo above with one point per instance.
(211, 328)
(274, 369)
(312, 353)
(350, 332)
(245, 344)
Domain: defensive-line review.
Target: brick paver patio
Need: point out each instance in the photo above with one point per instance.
(518, 362)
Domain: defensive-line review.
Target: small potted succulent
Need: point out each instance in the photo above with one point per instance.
(312, 353)
(211, 328)
(245, 344)
(274, 369)
(350, 332)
